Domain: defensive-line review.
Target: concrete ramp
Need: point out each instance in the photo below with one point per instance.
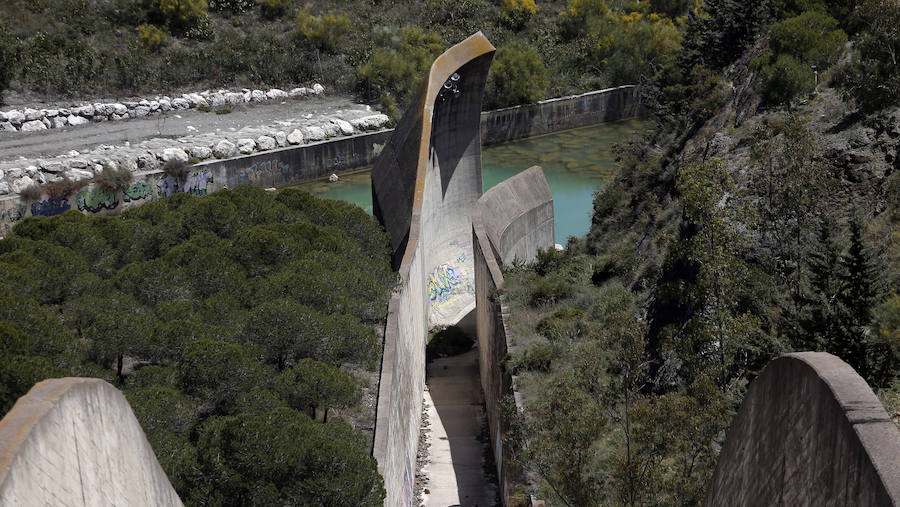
(809, 432)
(75, 441)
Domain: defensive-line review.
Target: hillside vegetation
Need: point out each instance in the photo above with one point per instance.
(760, 217)
(234, 323)
(375, 49)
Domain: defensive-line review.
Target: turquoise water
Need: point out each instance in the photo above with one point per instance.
(576, 162)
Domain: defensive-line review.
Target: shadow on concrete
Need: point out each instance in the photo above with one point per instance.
(459, 471)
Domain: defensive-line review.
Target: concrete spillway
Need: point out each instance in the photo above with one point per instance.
(75, 441)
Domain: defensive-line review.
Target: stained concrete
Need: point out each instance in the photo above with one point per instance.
(456, 469)
(810, 431)
(75, 441)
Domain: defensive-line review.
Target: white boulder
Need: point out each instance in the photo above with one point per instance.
(344, 125)
(275, 93)
(52, 166)
(174, 154)
(58, 122)
(21, 184)
(14, 173)
(15, 117)
(180, 103)
(77, 120)
(314, 133)
(281, 138)
(295, 137)
(32, 114)
(7, 127)
(265, 143)
(224, 149)
(79, 174)
(201, 152)
(34, 125)
(257, 96)
(165, 105)
(246, 146)
(318, 89)
(4, 188)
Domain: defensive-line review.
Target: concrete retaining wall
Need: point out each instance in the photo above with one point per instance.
(284, 166)
(510, 222)
(809, 432)
(75, 441)
(562, 113)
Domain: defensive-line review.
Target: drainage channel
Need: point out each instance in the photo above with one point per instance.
(458, 466)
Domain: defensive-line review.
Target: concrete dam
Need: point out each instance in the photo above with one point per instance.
(810, 430)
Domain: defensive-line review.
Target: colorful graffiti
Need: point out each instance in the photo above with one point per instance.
(50, 207)
(96, 199)
(167, 186)
(12, 215)
(137, 191)
(443, 282)
(197, 182)
(262, 170)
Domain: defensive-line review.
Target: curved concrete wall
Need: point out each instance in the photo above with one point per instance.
(510, 222)
(75, 441)
(424, 185)
(809, 432)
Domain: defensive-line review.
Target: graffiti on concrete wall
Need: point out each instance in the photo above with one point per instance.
(197, 182)
(340, 161)
(442, 283)
(96, 199)
(167, 186)
(11, 215)
(137, 191)
(263, 170)
(50, 207)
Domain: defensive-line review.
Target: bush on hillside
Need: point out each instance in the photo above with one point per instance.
(182, 14)
(324, 31)
(273, 8)
(518, 76)
(798, 45)
(152, 37)
(231, 6)
(394, 72)
(9, 48)
(519, 12)
(872, 77)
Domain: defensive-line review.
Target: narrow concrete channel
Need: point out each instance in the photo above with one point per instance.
(456, 468)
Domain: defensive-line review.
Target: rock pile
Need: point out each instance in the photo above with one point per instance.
(31, 120)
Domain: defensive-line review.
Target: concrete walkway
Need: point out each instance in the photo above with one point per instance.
(455, 471)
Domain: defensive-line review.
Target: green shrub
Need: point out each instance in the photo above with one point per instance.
(548, 291)
(231, 6)
(114, 179)
(537, 358)
(519, 12)
(565, 323)
(176, 169)
(394, 72)
(786, 79)
(183, 13)
(518, 76)
(813, 38)
(273, 8)
(324, 31)
(151, 37)
(9, 48)
(872, 77)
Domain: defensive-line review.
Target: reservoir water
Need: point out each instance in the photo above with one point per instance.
(576, 162)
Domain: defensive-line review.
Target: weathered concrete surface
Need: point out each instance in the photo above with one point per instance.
(75, 441)
(456, 469)
(511, 221)
(561, 113)
(517, 216)
(809, 432)
(424, 185)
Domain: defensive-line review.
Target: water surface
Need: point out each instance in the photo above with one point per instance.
(576, 162)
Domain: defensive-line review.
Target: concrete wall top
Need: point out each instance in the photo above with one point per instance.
(809, 432)
(75, 441)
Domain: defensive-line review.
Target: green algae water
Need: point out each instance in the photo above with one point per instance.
(576, 162)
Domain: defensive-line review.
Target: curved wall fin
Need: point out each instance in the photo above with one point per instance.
(809, 432)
